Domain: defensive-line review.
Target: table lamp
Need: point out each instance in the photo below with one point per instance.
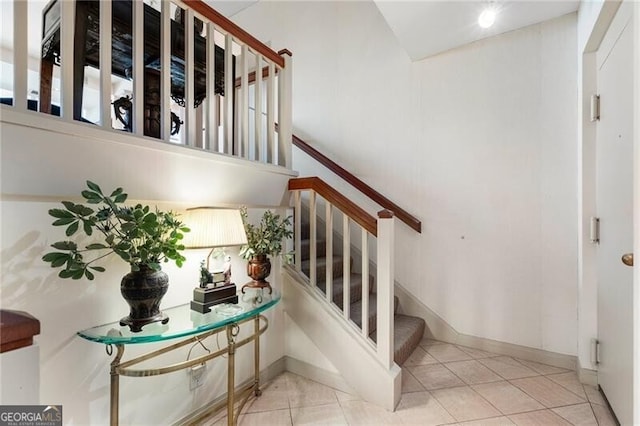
(212, 228)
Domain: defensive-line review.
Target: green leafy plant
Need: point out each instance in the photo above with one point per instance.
(138, 235)
(267, 237)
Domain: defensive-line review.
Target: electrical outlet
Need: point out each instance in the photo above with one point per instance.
(196, 376)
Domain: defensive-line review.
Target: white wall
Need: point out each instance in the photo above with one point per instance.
(479, 143)
(42, 167)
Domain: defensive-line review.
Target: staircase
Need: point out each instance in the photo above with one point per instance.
(408, 330)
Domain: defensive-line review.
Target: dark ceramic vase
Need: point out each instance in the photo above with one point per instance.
(143, 290)
(258, 268)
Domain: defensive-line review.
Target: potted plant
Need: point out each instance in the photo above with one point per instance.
(263, 240)
(142, 237)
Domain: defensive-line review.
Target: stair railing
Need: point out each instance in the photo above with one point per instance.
(404, 216)
(377, 232)
(209, 111)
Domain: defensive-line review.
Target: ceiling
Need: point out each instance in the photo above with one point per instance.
(427, 27)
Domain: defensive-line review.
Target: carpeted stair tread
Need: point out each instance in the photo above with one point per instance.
(355, 311)
(355, 288)
(305, 251)
(321, 267)
(407, 334)
(408, 330)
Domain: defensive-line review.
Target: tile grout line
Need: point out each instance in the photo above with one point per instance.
(545, 408)
(563, 386)
(474, 391)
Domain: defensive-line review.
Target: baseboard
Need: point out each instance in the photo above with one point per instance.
(517, 351)
(311, 372)
(273, 370)
(439, 329)
(587, 376)
(436, 328)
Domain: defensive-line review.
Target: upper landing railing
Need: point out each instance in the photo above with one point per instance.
(179, 72)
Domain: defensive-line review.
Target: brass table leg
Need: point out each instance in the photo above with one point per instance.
(115, 384)
(232, 332)
(256, 357)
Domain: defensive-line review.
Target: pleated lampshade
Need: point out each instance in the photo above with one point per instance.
(213, 227)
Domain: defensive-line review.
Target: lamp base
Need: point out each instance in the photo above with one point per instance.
(204, 298)
(204, 308)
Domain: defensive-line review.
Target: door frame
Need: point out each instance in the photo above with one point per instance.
(593, 24)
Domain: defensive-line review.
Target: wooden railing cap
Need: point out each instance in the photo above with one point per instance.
(17, 329)
(385, 214)
(348, 207)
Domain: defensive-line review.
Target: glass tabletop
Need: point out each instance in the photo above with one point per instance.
(185, 322)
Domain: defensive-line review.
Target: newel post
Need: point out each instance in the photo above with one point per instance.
(385, 283)
(285, 110)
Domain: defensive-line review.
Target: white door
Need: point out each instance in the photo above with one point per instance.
(614, 192)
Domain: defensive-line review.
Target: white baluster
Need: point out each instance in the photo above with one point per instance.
(67, 28)
(244, 102)
(20, 53)
(165, 70)
(211, 101)
(272, 146)
(257, 102)
(346, 267)
(313, 264)
(365, 283)
(138, 68)
(189, 83)
(328, 217)
(229, 88)
(105, 64)
(297, 225)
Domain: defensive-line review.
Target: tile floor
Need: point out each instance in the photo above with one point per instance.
(442, 384)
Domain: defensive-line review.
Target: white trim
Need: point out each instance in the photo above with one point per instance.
(87, 131)
(317, 374)
(343, 347)
(439, 329)
(587, 376)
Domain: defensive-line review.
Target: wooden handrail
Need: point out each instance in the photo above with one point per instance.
(345, 205)
(223, 22)
(400, 213)
(17, 329)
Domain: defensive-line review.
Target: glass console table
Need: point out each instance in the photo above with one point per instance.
(194, 327)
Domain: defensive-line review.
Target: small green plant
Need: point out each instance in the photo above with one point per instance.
(138, 235)
(267, 237)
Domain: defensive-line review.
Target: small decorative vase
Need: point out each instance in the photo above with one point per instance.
(258, 268)
(143, 290)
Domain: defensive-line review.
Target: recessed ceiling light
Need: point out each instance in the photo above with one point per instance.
(487, 17)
